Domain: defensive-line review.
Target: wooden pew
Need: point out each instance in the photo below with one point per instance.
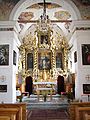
(4, 118)
(80, 112)
(87, 116)
(16, 111)
(75, 110)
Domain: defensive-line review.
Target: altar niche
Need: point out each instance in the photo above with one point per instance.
(59, 60)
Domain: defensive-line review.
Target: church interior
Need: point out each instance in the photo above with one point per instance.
(44, 59)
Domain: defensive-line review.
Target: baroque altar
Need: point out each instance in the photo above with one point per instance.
(43, 61)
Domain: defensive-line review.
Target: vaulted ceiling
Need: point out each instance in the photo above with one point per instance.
(61, 12)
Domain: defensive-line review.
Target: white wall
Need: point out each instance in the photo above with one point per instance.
(83, 37)
(9, 71)
(78, 38)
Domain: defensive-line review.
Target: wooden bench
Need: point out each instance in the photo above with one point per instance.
(15, 111)
(76, 109)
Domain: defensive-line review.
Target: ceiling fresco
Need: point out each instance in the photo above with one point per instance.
(62, 15)
(84, 8)
(85, 2)
(26, 16)
(48, 5)
(5, 10)
(11, 1)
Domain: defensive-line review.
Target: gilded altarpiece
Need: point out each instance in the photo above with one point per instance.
(42, 59)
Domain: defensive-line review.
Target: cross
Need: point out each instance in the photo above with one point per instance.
(44, 7)
(87, 77)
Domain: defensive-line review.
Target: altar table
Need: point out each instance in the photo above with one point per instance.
(45, 92)
(45, 87)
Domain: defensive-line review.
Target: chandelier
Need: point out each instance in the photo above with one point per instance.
(44, 21)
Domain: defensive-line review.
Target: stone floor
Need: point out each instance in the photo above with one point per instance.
(55, 109)
(47, 114)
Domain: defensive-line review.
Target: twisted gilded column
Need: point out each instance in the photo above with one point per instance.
(35, 69)
(53, 62)
(65, 60)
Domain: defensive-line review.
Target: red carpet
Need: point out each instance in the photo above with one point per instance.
(40, 114)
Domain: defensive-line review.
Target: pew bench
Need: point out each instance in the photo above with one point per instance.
(16, 111)
(87, 116)
(77, 110)
(81, 112)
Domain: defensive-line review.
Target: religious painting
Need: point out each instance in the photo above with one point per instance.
(29, 61)
(14, 57)
(44, 39)
(75, 56)
(59, 60)
(86, 54)
(4, 54)
(44, 61)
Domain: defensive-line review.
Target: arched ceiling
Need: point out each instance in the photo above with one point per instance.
(60, 10)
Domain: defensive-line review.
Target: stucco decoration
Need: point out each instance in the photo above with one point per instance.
(62, 15)
(26, 16)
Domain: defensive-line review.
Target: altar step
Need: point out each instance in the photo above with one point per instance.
(57, 102)
(47, 105)
(34, 98)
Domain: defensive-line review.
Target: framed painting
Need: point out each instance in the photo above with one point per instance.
(59, 60)
(44, 61)
(4, 54)
(29, 61)
(14, 57)
(86, 54)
